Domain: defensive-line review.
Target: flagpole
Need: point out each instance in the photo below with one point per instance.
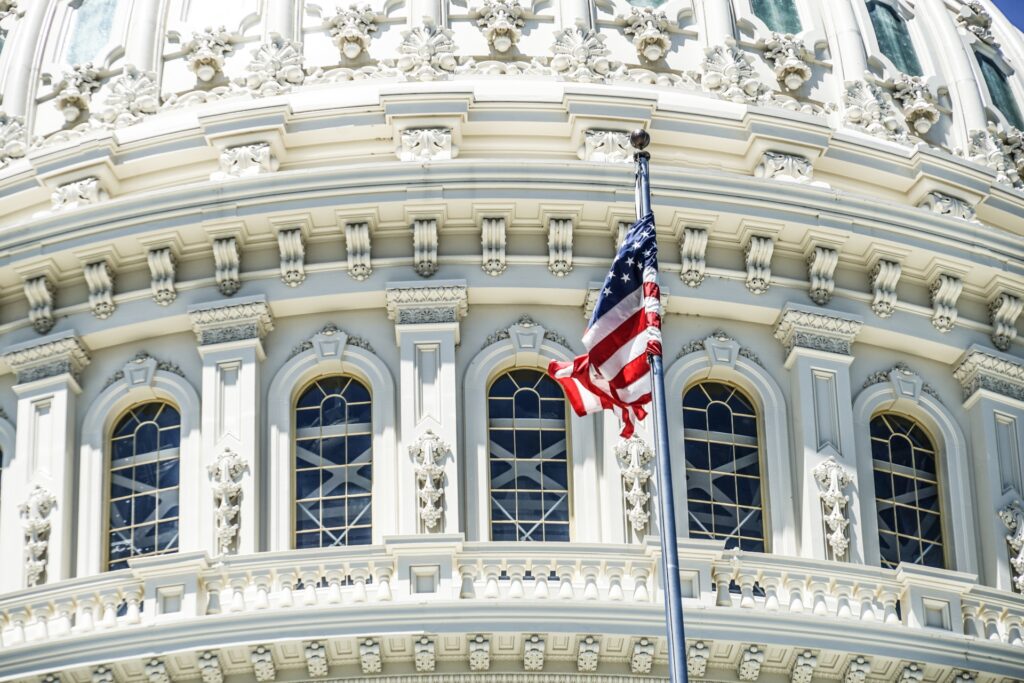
(639, 139)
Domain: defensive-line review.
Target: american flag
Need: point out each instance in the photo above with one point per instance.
(615, 372)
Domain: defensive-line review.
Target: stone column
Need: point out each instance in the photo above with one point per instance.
(963, 85)
(141, 49)
(26, 42)
(434, 10)
(427, 330)
(818, 359)
(230, 339)
(281, 18)
(849, 54)
(39, 481)
(719, 24)
(993, 389)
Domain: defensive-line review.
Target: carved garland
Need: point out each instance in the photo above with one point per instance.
(224, 478)
(428, 453)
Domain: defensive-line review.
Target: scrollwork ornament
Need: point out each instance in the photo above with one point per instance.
(975, 19)
(634, 457)
(225, 474)
(501, 22)
(352, 29)
(35, 522)
(1013, 518)
(428, 453)
(648, 28)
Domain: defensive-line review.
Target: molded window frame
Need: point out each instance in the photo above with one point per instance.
(980, 49)
(907, 13)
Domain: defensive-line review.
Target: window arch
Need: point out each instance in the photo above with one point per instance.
(893, 37)
(333, 464)
(999, 90)
(723, 466)
(905, 474)
(144, 483)
(778, 15)
(528, 457)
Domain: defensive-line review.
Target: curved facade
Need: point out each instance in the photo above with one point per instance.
(278, 284)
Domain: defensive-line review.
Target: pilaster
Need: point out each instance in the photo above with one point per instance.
(993, 391)
(230, 340)
(47, 387)
(818, 358)
(427, 320)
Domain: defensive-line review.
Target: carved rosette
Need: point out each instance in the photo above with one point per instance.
(580, 55)
(832, 478)
(501, 22)
(276, 66)
(728, 73)
(1013, 518)
(35, 522)
(428, 453)
(427, 53)
(351, 30)
(789, 57)
(130, 97)
(12, 138)
(648, 28)
(920, 110)
(225, 480)
(635, 456)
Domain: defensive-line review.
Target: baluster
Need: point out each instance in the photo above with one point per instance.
(541, 571)
(746, 581)
(796, 587)
(515, 575)
(866, 598)
(132, 598)
(844, 598)
(770, 583)
(85, 621)
(213, 586)
(38, 620)
(819, 591)
(61, 624)
(590, 589)
(641, 578)
(262, 583)
(383, 583)
(1014, 631)
(334, 579)
(973, 627)
(468, 589)
(359, 575)
(237, 586)
(723, 575)
(990, 618)
(19, 617)
(491, 588)
(309, 581)
(565, 589)
(285, 593)
(614, 571)
(888, 598)
(110, 600)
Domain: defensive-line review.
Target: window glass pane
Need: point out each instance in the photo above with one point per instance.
(778, 15)
(527, 447)
(90, 32)
(333, 464)
(723, 466)
(1000, 92)
(906, 493)
(894, 38)
(143, 513)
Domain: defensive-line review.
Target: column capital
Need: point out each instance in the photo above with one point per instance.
(437, 303)
(51, 356)
(239, 320)
(808, 328)
(981, 368)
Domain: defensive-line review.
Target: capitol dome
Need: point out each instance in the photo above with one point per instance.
(280, 282)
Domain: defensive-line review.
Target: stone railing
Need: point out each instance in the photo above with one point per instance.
(442, 569)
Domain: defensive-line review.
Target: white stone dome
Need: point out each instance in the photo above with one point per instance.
(279, 282)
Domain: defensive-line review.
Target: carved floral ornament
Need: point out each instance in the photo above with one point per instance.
(832, 478)
(205, 53)
(225, 474)
(635, 456)
(501, 22)
(35, 522)
(790, 58)
(428, 453)
(351, 30)
(1013, 518)
(648, 28)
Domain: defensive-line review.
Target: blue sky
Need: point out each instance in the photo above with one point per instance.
(1014, 11)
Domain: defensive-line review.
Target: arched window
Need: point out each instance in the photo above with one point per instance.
(333, 464)
(893, 37)
(92, 27)
(778, 15)
(528, 454)
(723, 466)
(906, 492)
(143, 514)
(999, 90)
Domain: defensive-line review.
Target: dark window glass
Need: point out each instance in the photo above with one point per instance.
(529, 467)
(333, 464)
(906, 492)
(894, 38)
(142, 518)
(778, 15)
(723, 466)
(1000, 92)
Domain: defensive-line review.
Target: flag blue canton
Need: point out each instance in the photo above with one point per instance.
(639, 250)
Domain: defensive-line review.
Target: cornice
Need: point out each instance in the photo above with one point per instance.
(807, 328)
(981, 368)
(238, 320)
(47, 357)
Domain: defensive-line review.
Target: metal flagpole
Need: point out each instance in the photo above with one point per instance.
(639, 139)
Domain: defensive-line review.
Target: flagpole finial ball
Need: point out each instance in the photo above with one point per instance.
(639, 138)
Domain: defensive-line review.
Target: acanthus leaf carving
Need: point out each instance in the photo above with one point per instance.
(293, 256)
(986, 370)
(751, 659)
(832, 478)
(225, 479)
(789, 168)
(803, 667)
(35, 523)
(641, 659)
(758, 253)
(426, 144)
(492, 240)
(912, 673)
(697, 656)
(427, 53)
(245, 160)
(609, 146)
(988, 148)
(77, 193)
(74, 91)
(821, 268)
(263, 667)
(1012, 517)
(580, 55)
(801, 328)
(560, 246)
(424, 655)
(13, 138)
(502, 23)
(533, 653)
(275, 68)
(205, 53)
(945, 205)
(634, 457)
(162, 270)
(790, 59)
(920, 110)
(1003, 313)
(648, 27)
(352, 30)
(587, 654)
(728, 72)
(479, 653)
(40, 293)
(945, 291)
(209, 667)
(357, 245)
(226, 258)
(130, 97)
(316, 659)
(857, 670)
(156, 672)
(693, 251)
(975, 19)
(870, 108)
(99, 277)
(428, 453)
(884, 277)
(369, 656)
